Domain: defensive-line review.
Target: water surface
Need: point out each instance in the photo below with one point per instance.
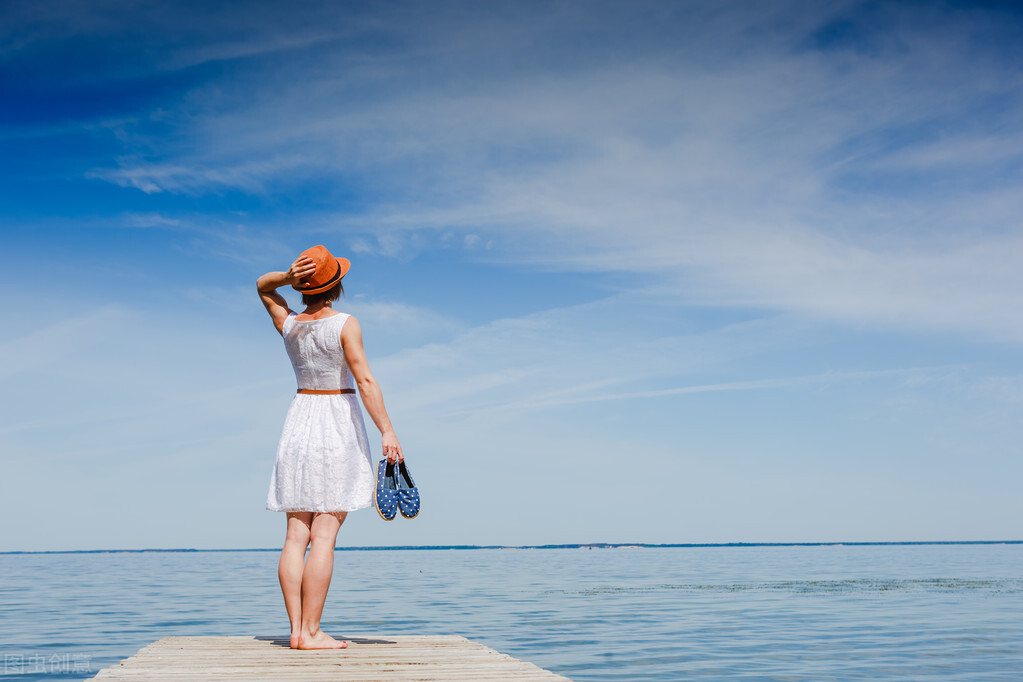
(950, 612)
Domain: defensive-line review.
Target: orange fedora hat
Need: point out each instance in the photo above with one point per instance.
(329, 271)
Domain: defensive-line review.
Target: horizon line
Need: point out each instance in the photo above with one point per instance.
(583, 545)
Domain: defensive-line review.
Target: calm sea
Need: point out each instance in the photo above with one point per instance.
(785, 613)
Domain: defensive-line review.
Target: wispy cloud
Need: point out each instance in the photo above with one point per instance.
(562, 356)
(600, 391)
(758, 179)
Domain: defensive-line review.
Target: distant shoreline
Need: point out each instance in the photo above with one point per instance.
(591, 545)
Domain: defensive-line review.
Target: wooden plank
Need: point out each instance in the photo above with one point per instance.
(399, 657)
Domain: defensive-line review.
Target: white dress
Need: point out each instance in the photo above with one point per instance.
(323, 460)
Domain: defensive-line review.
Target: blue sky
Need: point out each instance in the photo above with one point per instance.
(627, 272)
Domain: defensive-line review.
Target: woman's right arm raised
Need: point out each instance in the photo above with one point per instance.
(268, 284)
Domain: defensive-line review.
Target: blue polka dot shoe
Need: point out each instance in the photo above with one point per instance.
(386, 497)
(408, 493)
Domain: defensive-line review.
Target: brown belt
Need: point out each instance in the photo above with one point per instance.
(334, 391)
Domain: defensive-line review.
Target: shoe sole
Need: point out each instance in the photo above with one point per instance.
(376, 504)
(380, 512)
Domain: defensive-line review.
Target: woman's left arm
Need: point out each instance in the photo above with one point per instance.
(372, 398)
(268, 284)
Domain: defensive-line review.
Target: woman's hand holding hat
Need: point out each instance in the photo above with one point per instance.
(300, 269)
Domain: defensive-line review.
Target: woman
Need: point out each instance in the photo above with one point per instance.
(323, 468)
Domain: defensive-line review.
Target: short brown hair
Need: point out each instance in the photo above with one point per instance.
(332, 294)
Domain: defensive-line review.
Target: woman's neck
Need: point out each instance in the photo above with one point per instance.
(316, 309)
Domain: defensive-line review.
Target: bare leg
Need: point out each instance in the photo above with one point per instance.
(316, 580)
(289, 570)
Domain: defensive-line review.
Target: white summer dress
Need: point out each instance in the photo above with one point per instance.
(323, 460)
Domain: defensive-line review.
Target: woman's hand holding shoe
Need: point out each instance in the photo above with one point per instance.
(392, 448)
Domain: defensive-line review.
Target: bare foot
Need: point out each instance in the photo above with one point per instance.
(321, 640)
(294, 640)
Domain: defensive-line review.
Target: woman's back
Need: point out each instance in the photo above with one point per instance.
(323, 460)
(314, 347)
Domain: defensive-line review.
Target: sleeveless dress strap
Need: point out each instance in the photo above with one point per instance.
(338, 324)
(289, 322)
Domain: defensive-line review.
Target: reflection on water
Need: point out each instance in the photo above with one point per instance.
(794, 613)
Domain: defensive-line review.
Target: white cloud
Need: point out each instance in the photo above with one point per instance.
(734, 177)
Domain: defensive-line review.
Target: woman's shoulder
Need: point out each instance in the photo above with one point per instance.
(349, 324)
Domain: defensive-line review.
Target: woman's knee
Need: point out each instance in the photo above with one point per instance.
(297, 535)
(325, 527)
(323, 538)
(298, 528)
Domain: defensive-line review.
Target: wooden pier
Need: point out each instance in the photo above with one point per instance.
(404, 657)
